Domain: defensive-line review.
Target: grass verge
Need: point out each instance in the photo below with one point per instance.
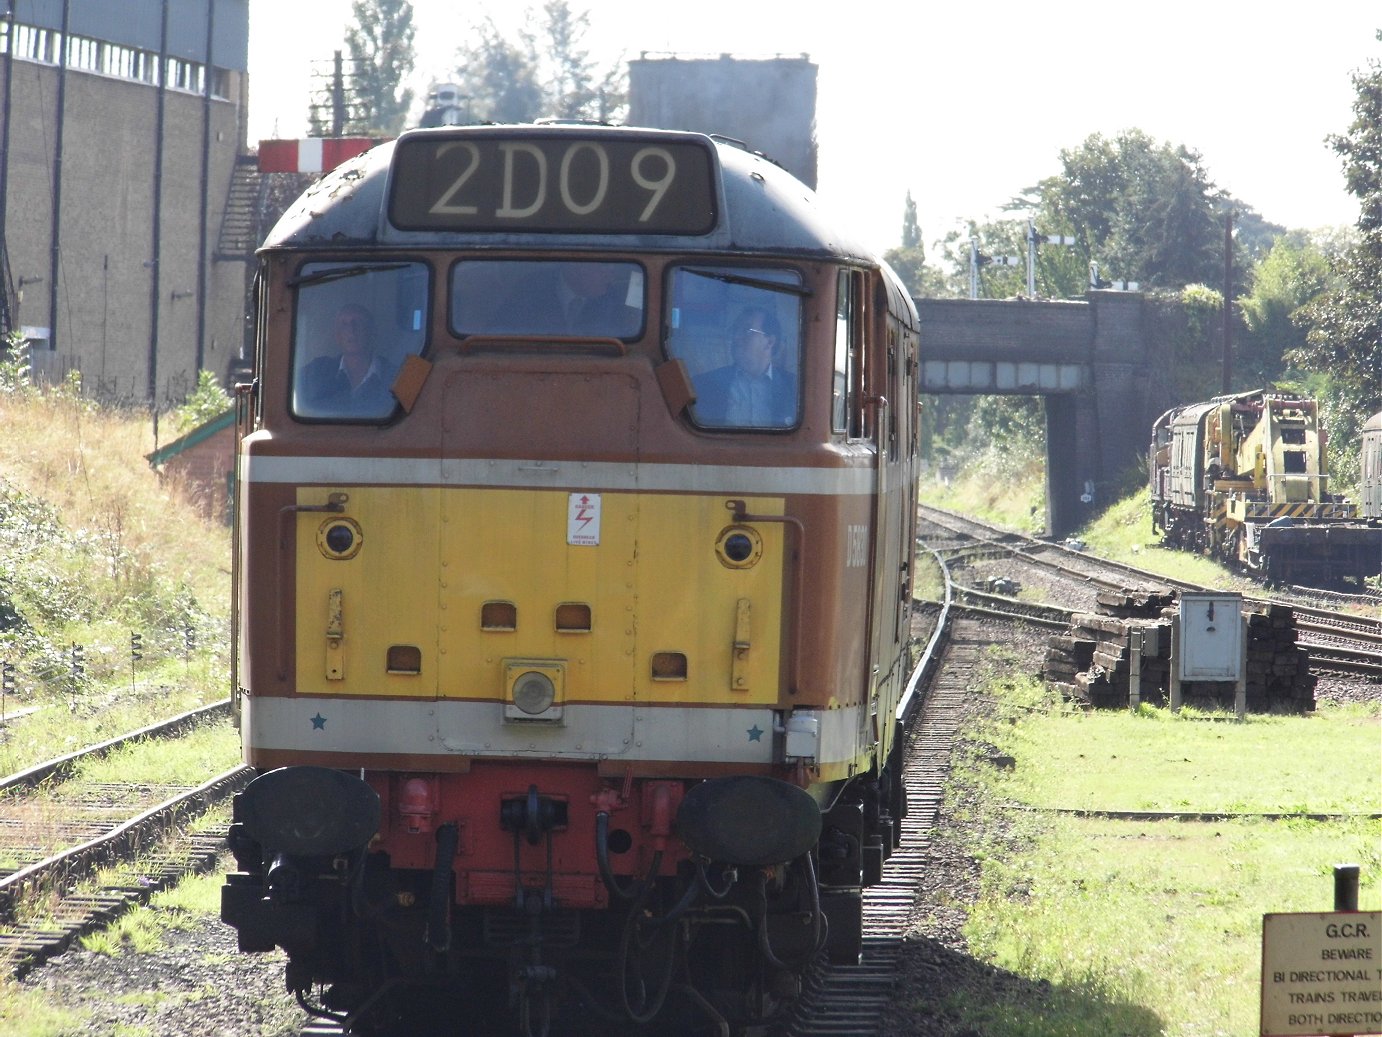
(1150, 929)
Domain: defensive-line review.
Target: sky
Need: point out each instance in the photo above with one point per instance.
(961, 104)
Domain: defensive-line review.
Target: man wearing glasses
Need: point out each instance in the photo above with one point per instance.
(754, 391)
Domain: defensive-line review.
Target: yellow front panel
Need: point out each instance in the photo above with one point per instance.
(653, 585)
(689, 601)
(387, 592)
(511, 546)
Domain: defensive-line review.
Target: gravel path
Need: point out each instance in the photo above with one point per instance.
(198, 985)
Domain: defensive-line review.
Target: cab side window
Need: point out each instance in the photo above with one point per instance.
(738, 331)
(846, 404)
(354, 326)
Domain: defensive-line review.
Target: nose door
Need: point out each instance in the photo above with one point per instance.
(537, 593)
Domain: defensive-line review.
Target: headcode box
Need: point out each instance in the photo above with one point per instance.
(1322, 974)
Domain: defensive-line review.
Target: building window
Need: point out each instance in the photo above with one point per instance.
(83, 53)
(35, 44)
(112, 59)
(184, 75)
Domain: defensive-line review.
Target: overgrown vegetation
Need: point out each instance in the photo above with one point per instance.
(96, 547)
(206, 403)
(999, 479)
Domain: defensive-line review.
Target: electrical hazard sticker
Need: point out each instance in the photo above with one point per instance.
(583, 519)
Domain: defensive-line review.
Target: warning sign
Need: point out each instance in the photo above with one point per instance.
(1322, 974)
(583, 519)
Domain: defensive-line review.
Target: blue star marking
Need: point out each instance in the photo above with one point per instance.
(755, 734)
(319, 723)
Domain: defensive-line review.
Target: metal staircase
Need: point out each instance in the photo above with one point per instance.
(240, 230)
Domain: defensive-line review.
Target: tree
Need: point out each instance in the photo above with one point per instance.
(521, 80)
(574, 87)
(206, 402)
(1292, 274)
(500, 77)
(911, 229)
(570, 79)
(1344, 336)
(380, 45)
(1143, 211)
(1343, 342)
(909, 260)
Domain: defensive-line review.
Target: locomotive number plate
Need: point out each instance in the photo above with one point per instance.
(554, 184)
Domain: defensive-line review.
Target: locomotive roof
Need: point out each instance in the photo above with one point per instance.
(759, 206)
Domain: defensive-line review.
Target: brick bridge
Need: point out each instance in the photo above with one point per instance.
(1090, 361)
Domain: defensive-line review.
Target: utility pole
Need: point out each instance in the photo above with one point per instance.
(156, 238)
(59, 135)
(8, 319)
(338, 105)
(1228, 303)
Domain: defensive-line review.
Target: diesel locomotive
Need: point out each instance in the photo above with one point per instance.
(1243, 478)
(574, 538)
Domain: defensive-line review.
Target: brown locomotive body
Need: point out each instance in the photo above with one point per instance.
(562, 628)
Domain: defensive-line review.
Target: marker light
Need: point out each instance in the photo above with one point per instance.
(340, 538)
(739, 547)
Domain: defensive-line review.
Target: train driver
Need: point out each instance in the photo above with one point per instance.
(352, 381)
(754, 390)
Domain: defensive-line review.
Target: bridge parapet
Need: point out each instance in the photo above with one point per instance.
(1005, 347)
(1087, 358)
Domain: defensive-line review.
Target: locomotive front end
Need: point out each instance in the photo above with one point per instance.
(558, 637)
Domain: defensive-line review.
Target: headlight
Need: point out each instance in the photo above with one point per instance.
(534, 693)
(534, 690)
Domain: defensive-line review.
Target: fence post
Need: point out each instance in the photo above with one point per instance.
(1345, 887)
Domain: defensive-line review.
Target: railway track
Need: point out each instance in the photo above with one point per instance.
(57, 830)
(851, 1000)
(1343, 642)
(998, 606)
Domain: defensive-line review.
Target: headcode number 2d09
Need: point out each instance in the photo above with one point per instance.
(513, 151)
(553, 185)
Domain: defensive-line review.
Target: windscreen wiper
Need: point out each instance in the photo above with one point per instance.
(342, 272)
(751, 282)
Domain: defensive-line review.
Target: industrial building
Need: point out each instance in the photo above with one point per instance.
(122, 136)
